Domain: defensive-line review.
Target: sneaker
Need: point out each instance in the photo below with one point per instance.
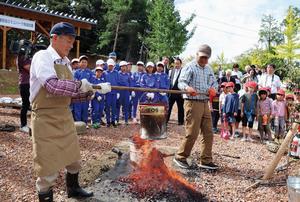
(236, 134)
(108, 125)
(210, 166)
(134, 121)
(250, 139)
(244, 139)
(96, 125)
(24, 129)
(181, 163)
(87, 127)
(114, 125)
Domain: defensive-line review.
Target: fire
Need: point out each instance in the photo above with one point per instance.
(151, 176)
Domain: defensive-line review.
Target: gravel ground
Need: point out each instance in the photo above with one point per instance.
(17, 180)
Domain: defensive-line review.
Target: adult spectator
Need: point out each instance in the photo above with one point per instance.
(23, 64)
(236, 72)
(228, 77)
(270, 80)
(174, 75)
(166, 62)
(250, 76)
(197, 77)
(55, 142)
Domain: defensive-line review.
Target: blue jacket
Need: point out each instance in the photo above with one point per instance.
(117, 67)
(136, 78)
(96, 80)
(113, 78)
(231, 103)
(163, 80)
(124, 79)
(149, 81)
(83, 74)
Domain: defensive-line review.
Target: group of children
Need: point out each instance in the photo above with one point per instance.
(149, 76)
(252, 103)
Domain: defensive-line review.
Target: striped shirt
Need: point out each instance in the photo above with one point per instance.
(264, 106)
(200, 78)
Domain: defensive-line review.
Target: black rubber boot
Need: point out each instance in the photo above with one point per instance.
(46, 196)
(73, 188)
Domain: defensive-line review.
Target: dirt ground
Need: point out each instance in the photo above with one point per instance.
(17, 180)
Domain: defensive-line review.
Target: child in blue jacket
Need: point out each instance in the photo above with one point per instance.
(124, 80)
(81, 108)
(111, 76)
(98, 99)
(149, 80)
(163, 82)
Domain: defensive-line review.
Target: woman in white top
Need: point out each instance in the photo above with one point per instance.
(270, 80)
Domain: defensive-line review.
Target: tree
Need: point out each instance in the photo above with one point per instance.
(270, 33)
(167, 35)
(289, 49)
(114, 17)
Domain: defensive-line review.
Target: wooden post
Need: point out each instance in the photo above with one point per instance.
(4, 47)
(78, 43)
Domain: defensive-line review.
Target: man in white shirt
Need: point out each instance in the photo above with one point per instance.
(270, 80)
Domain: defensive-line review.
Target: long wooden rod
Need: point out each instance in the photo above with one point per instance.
(154, 90)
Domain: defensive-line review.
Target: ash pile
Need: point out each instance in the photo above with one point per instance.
(142, 175)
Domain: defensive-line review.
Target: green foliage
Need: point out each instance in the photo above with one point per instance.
(270, 33)
(167, 35)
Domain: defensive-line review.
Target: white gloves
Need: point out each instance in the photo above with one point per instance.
(163, 94)
(93, 96)
(85, 86)
(130, 97)
(118, 96)
(150, 96)
(132, 94)
(99, 98)
(105, 88)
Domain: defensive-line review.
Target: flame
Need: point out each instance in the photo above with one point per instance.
(151, 176)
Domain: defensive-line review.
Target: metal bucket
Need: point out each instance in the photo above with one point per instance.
(153, 121)
(293, 184)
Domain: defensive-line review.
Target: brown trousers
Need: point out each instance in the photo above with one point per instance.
(198, 116)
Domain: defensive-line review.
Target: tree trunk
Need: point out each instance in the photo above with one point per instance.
(117, 33)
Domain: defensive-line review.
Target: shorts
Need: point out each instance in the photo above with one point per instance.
(245, 121)
(230, 118)
(238, 118)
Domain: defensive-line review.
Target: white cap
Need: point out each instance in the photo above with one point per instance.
(160, 63)
(98, 68)
(74, 60)
(140, 63)
(122, 63)
(150, 64)
(110, 62)
(99, 62)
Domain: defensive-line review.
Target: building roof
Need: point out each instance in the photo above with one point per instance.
(46, 11)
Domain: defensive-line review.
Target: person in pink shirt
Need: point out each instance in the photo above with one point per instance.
(264, 109)
(279, 114)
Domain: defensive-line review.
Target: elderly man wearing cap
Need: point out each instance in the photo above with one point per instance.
(111, 76)
(197, 77)
(136, 82)
(81, 106)
(98, 98)
(55, 143)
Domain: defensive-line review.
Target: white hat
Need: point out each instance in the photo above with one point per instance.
(99, 68)
(99, 62)
(150, 64)
(122, 63)
(140, 63)
(110, 62)
(160, 63)
(74, 60)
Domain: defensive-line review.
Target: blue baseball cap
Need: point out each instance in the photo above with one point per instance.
(64, 28)
(112, 55)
